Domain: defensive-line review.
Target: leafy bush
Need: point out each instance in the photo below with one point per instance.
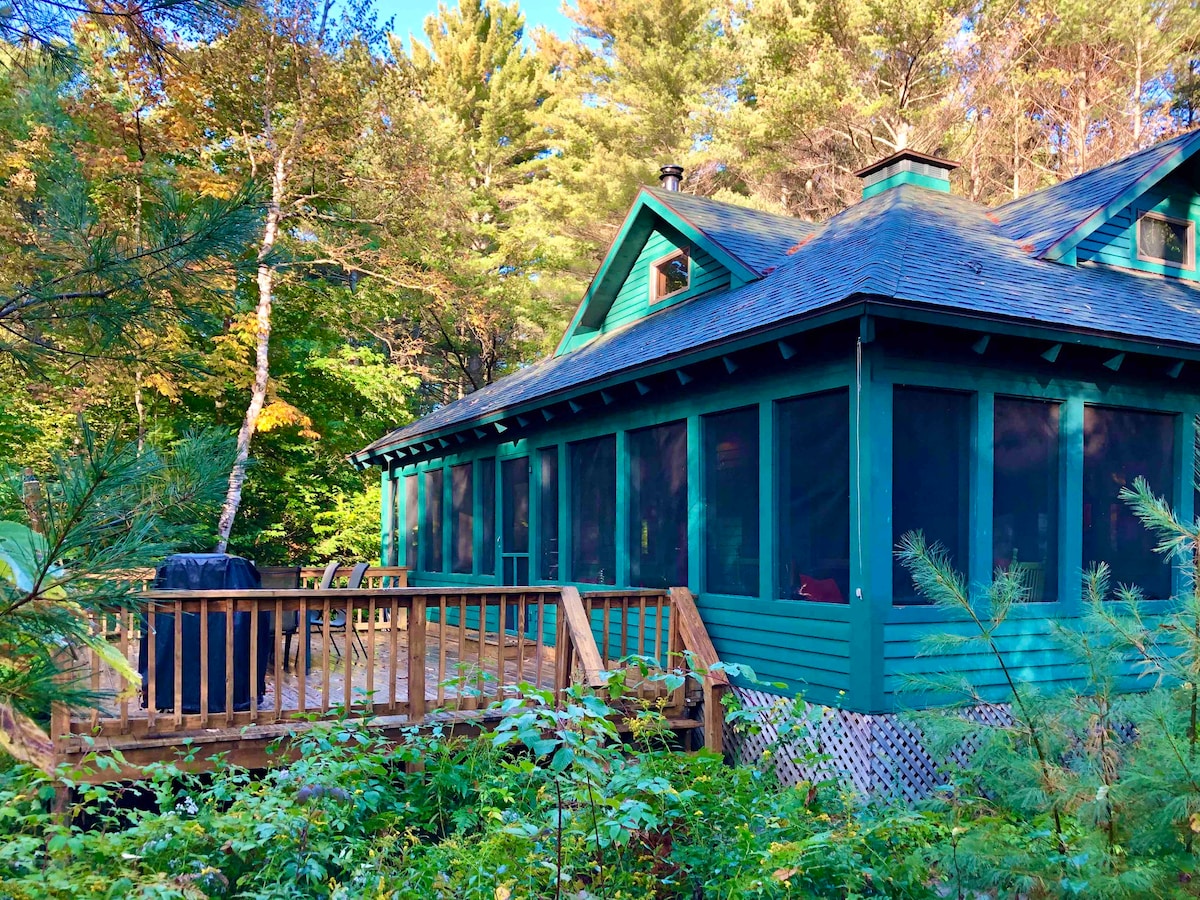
(548, 805)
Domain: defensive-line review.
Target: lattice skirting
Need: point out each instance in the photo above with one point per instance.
(876, 755)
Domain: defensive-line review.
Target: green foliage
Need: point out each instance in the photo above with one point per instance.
(444, 207)
(66, 545)
(548, 805)
(350, 530)
(1091, 790)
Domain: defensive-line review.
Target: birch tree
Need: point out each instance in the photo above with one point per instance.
(280, 93)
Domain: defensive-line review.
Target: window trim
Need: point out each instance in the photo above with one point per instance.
(1189, 265)
(656, 275)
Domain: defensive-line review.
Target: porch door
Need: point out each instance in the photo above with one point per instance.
(514, 520)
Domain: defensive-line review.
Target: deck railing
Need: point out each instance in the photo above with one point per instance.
(227, 660)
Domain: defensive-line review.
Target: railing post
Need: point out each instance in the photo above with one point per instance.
(582, 639)
(416, 659)
(562, 651)
(695, 639)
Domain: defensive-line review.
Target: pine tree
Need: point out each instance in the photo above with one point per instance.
(66, 549)
(828, 87)
(476, 73)
(631, 93)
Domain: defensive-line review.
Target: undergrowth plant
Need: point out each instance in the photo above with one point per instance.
(551, 803)
(1090, 790)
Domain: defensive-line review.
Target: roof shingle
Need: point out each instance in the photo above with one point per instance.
(1045, 217)
(755, 237)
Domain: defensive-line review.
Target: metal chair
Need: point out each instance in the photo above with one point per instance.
(283, 578)
(337, 617)
(326, 582)
(1034, 576)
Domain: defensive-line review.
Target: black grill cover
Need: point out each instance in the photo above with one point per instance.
(205, 572)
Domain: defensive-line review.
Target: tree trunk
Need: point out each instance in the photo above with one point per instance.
(1136, 98)
(1016, 148)
(262, 368)
(141, 411)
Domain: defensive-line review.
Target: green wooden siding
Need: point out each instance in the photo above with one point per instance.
(803, 644)
(1115, 242)
(862, 655)
(632, 301)
(1032, 650)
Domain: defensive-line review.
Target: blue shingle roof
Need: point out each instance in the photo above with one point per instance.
(907, 245)
(755, 237)
(1044, 218)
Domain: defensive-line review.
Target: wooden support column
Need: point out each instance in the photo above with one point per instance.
(623, 483)
(562, 653)
(1070, 510)
(1183, 493)
(695, 501)
(766, 500)
(387, 517)
(979, 552)
(870, 529)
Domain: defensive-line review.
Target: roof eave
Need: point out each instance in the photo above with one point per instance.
(848, 308)
(1017, 326)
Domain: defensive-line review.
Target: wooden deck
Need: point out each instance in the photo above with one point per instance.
(395, 656)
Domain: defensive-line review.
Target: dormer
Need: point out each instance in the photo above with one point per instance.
(1137, 213)
(674, 247)
(1155, 233)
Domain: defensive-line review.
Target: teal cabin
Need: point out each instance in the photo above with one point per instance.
(758, 408)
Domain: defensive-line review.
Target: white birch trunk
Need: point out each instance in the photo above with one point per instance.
(1016, 146)
(141, 411)
(262, 367)
(1136, 97)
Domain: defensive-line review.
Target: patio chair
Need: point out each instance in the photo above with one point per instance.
(1034, 576)
(337, 617)
(282, 578)
(325, 583)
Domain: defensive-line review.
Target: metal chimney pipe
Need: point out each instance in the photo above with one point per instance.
(670, 176)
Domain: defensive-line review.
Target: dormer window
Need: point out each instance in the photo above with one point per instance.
(671, 275)
(1167, 241)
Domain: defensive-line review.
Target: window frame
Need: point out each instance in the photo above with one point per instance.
(1172, 493)
(635, 498)
(434, 521)
(778, 411)
(968, 487)
(1051, 588)
(1189, 264)
(657, 278)
(547, 518)
(574, 539)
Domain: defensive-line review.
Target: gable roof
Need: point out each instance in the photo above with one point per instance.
(755, 237)
(908, 247)
(1053, 221)
(742, 240)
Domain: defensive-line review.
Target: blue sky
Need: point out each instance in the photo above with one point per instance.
(409, 15)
